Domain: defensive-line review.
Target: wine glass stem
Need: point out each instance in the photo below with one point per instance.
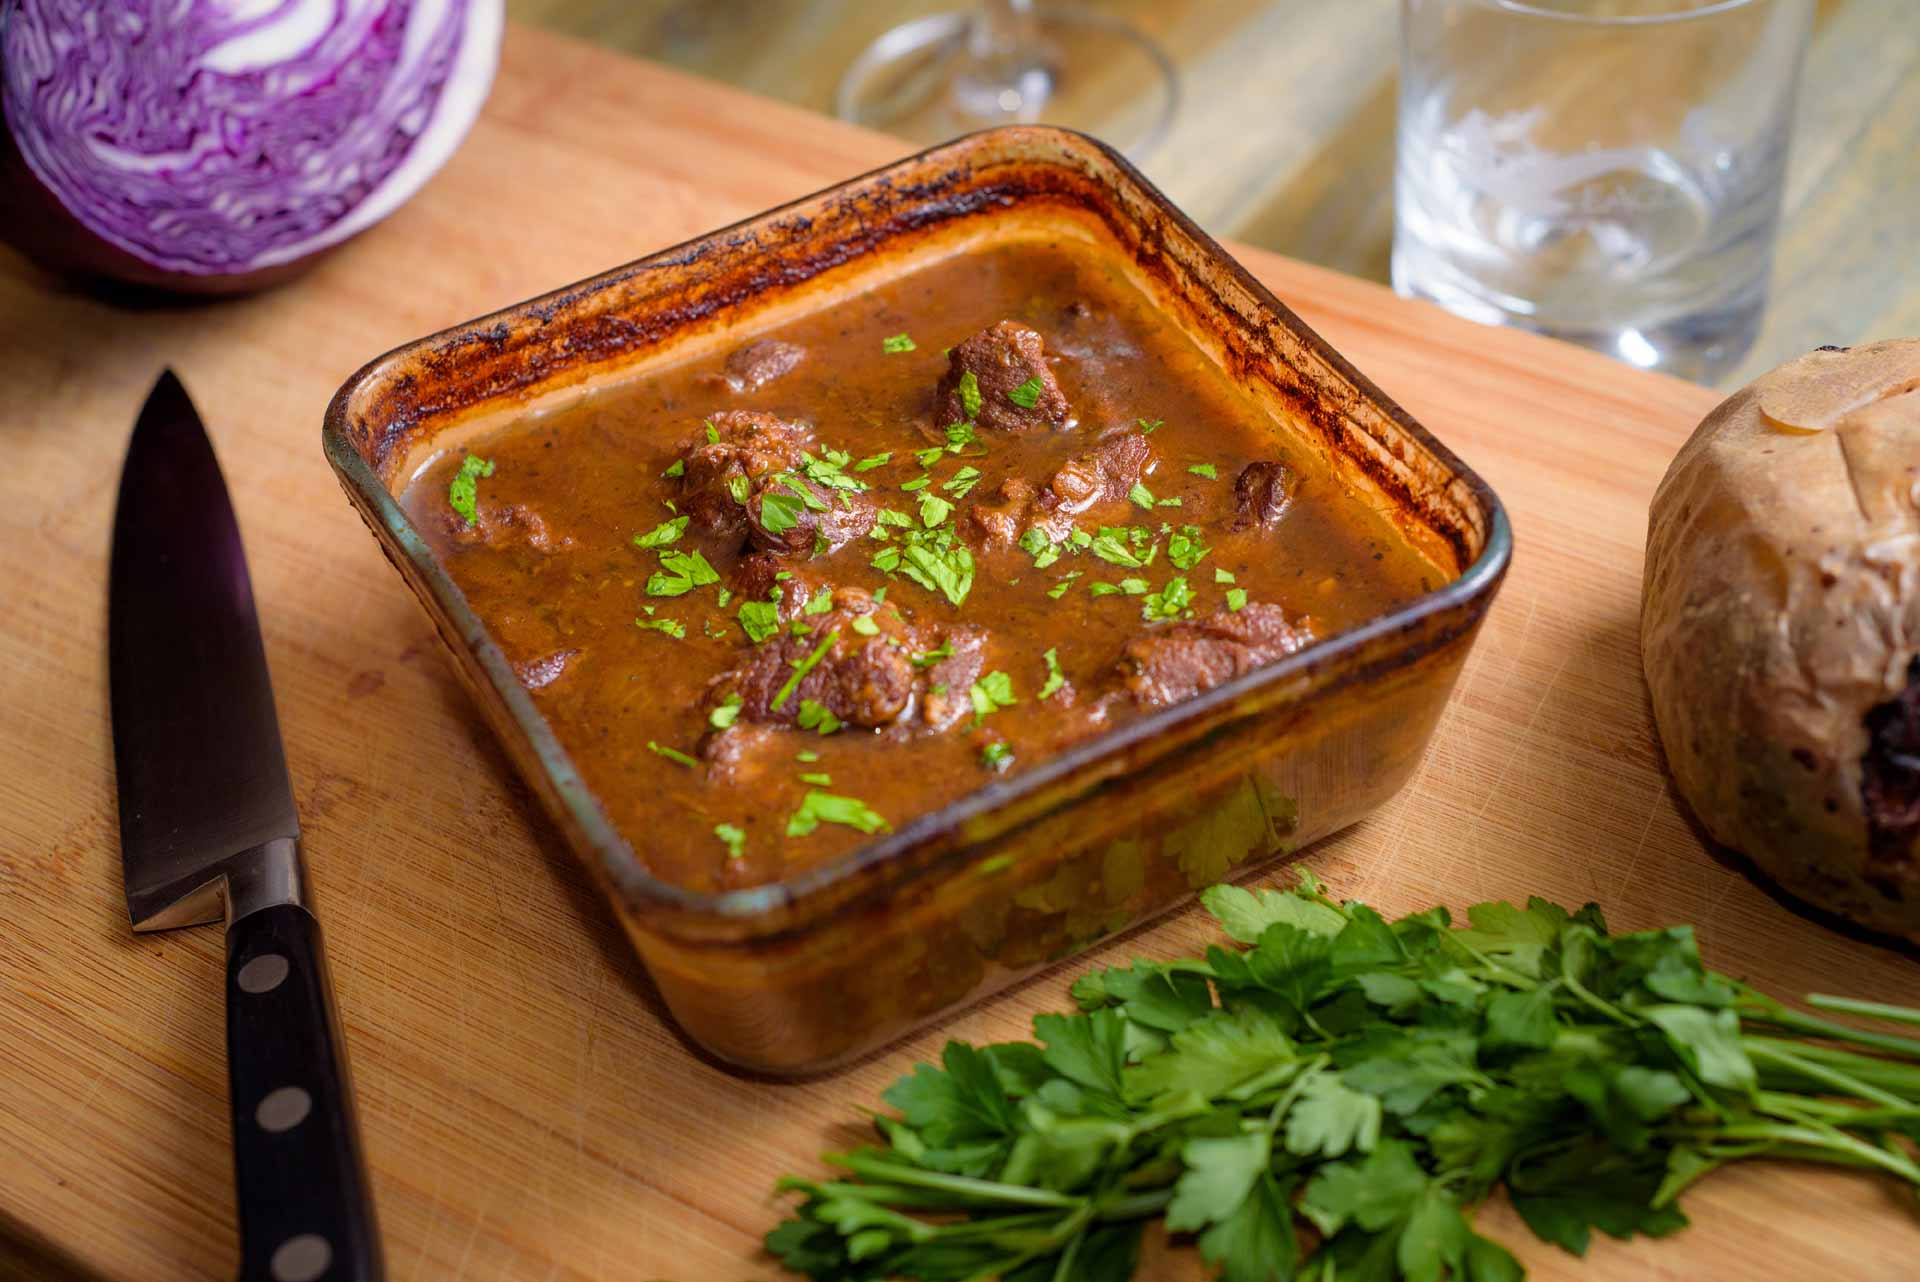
(1000, 29)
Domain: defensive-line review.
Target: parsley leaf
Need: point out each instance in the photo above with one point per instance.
(819, 807)
(1205, 469)
(1236, 599)
(896, 343)
(991, 692)
(726, 712)
(1055, 678)
(734, 839)
(996, 756)
(820, 602)
(802, 667)
(1027, 395)
(969, 389)
(872, 461)
(463, 492)
(1186, 546)
(1059, 589)
(672, 627)
(672, 754)
(961, 482)
(779, 512)
(1148, 428)
(1114, 545)
(1141, 495)
(679, 468)
(959, 436)
(933, 510)
(1169, 602)
(713, 433)
(758, 619)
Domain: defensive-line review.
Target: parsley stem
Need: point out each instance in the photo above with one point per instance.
(1135, 1206)
(1760, 1007)
(1845, 1083)
(1872, 1010)
(964, 1185)
(1891, 1075)
(1819, 1138)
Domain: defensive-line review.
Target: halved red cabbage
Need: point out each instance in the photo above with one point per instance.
(213, 146)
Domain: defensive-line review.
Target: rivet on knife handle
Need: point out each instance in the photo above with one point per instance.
(305, 1212)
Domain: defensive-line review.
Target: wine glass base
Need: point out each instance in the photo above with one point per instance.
(1089, 71)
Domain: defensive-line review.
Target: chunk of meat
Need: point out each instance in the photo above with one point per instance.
(757, 578)
(506, 525)
(949, 680)
(862, 680)
(1001, 359)
(1103, 474)
(1169, 664)
(1261, 493)
(998, 519)
(751, 445)
(744, 752)
(754, 366)
(537, 674)
(1107, 472)
(784, 521)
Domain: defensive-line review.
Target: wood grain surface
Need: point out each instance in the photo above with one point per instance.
(1284, 137)
(528, 1112)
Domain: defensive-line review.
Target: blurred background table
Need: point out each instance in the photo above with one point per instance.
(1284, 134)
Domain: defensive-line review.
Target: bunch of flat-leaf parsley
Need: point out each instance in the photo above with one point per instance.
(1331, 1101)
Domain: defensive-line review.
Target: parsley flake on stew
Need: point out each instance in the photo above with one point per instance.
(969, 388)
(819, 807)
(895, 343)
(802, 667)
(1055, 678)
(1027, 395)
(672, 754)
(734, 839)
(662, 534)
(672, 627)
(996, 756)
(463, 492)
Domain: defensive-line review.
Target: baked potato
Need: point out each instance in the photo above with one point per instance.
(1780, 628)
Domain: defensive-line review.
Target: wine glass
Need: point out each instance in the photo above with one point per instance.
(1014, 62)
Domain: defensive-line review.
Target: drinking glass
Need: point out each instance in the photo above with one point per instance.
(1014, 62)
(1604, 171)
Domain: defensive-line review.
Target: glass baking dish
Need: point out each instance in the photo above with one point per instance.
(806, 973)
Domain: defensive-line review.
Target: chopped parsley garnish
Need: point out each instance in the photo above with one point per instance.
(1205, 469)
(800, 629)
(819, 807)
(1169, 602)
(758, 619)
(931, 455)
(872, 461)
(830, 472)
(1142, 495)
(672, 627)
(918, 483)
(887, 516)
(806, 754)
(1059, 589)
(662, 534)
(1103, 589)
(896, 343)
(1148, 427)
(933, 510)
(779, 512)
(806, 495)
(713, 433)
(463, 491)
(927, 658)
(880, 595)
(961, 482)
(726, 595)
(683, 572)
(865, 626)
(817, 779)
(672, 754)
(995, 690)
(1222, 576)
(1080, 538)
(727, 713)
(959, 436)
(1055, 678)
(817, 716)
(943, 566)
(1236, 599)
(996, 756)
(1185, 548)
(1042, 549)
(679, 468)
(970, 395)
(733, 838)
(886, 560)
(1112, 545)
(1175, 501)
(803, 666)
(1027, 395)
(819, 603)
(738, 487)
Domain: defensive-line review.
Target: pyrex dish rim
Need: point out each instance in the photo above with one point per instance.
(651, 895)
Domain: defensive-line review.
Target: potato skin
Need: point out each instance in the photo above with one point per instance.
(1781, 608)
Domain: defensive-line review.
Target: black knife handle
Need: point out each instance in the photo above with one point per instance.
(305, 1211)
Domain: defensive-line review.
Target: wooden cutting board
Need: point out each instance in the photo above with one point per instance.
(529, 1113)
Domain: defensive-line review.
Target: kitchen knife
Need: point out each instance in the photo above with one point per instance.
(208, 831)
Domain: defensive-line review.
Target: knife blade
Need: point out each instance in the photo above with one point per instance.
(208, 829)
